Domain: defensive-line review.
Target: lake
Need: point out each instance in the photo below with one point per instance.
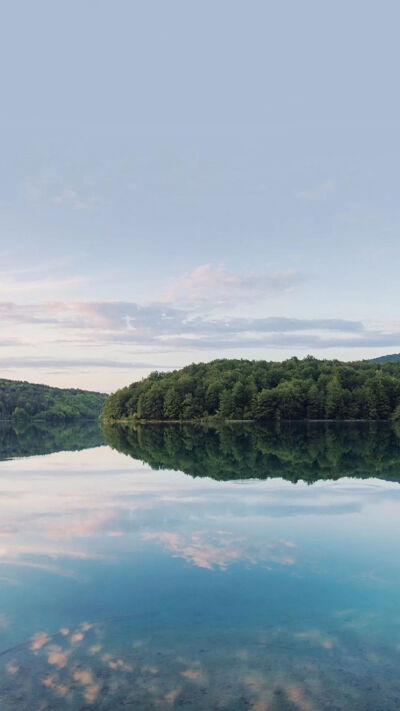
(187, 567)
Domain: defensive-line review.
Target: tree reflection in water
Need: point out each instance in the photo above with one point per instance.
(293, 451)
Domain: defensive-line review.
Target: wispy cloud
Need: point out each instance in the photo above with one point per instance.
(218, 285)
(32, 190)
(220, 549)
(51, 188)
(13, 287)
(10, 342)
(188, 316)
(40, 280)
(76, 200)
(318, 192)
(10, 363)
(164, 325)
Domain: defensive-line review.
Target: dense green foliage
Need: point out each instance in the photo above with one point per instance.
(25, 401)
(293, 451)
(23, 439)
(243, 389)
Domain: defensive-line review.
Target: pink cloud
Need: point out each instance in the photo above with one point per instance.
(39, 640)
(206, 283)
(220, 549)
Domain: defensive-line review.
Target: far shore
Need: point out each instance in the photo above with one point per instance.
(210, 421)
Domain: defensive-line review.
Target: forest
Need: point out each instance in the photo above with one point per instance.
(295, 389)
(293, 451)
(22, 401)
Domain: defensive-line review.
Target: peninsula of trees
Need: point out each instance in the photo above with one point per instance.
(259, 390)
(26, 401)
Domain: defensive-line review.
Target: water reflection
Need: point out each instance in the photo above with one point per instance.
(26, 440)
(293, 451)
(118, 664)
(123, 586)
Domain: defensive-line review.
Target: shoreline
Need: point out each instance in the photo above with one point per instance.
(131, 421)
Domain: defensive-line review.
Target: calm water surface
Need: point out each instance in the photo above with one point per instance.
(192, 568)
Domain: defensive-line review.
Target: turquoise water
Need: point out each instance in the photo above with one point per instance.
(218, 580)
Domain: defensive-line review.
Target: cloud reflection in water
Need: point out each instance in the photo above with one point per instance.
(265, 595)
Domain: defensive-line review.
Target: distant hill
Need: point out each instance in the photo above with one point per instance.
(386, 358)
(230, 389)
(27, 401)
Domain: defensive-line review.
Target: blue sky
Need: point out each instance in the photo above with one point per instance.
(184, 181)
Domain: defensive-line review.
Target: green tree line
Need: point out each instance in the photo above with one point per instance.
(22, 401)
(294, 389)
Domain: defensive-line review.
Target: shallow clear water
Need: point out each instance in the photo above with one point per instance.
(125, 586)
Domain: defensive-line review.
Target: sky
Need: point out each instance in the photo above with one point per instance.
(185, 181)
